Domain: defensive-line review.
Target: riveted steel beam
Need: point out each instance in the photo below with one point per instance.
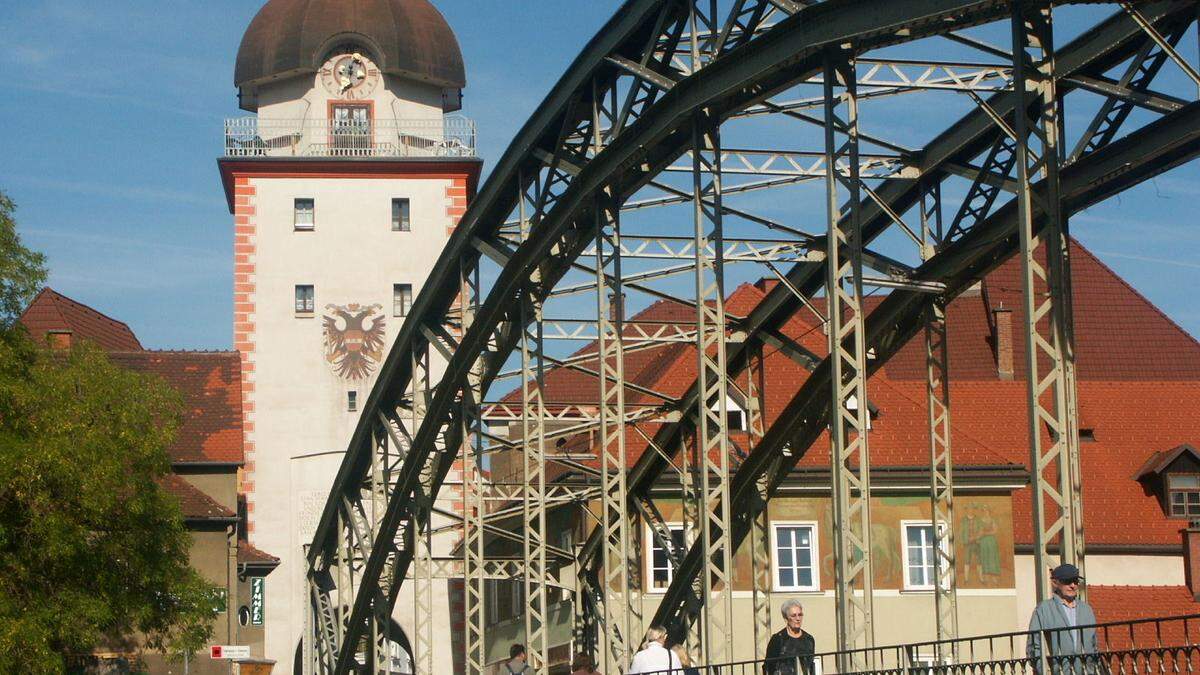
(849, 420)
(1045, 269)
(556, 242)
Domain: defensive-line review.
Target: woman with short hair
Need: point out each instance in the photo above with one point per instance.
(654, 656)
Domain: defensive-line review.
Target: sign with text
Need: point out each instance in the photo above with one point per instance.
(228, 652)
(256, 600)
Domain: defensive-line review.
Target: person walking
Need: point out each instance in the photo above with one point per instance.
(791, 644)
(654, 656)
(517, 660)
(680, 652)
(1069, 651)
(583, 664)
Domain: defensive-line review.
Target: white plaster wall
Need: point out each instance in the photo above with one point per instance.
(900, 617)
(302, 425)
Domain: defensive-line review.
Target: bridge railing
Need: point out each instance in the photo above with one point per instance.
(1158, 646)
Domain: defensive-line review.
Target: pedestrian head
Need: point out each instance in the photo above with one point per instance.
(517, 650)
(583, 662)
(655, 634)
(793, 614)
(1065, 580)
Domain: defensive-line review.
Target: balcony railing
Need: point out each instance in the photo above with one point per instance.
(253, 137)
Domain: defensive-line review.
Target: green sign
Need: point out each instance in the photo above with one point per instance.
(256, 601)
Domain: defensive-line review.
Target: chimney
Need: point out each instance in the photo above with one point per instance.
(616, 307)
(1003, 342)
(1191, 558)
(59, 339)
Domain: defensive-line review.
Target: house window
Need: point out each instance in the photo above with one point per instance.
(661, 570)
(400, 222)
(1183, 495)
(304, 299)
(795, 556)
(304, 211)
(401, 299)
(918, 554)
(352, 401)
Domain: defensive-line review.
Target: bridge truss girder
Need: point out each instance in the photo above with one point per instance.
(654, 86)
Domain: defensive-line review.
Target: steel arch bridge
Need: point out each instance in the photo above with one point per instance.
(657, 168)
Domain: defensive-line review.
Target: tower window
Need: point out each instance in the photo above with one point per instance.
(401, 299)
(305, 299)
(304, 210)
(400, 221)
(352, 401)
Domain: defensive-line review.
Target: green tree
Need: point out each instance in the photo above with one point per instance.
(93, 550)
(22, 271)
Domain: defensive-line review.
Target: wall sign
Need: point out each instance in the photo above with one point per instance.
(256, 600)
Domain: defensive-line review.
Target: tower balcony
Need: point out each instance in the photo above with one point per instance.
(450, 136)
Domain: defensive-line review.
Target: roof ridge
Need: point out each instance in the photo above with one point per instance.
(89, 308)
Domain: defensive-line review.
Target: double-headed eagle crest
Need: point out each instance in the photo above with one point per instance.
(354, 339)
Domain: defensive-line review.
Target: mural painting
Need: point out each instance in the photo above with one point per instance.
(354, 339)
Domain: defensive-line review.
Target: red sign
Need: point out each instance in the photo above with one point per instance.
(214, 652)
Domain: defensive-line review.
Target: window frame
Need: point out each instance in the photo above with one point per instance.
(405, 304)
(939, 541)
(814, 527)
(648, 568)
(351, 400)
(1171, 491)
(405, 224)
(297, 226)
(312, 308)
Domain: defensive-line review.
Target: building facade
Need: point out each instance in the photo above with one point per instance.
(344, 185)
(1138, 375)
(206, 459)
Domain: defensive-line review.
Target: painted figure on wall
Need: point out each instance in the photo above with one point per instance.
(979, 530)
(354, 339)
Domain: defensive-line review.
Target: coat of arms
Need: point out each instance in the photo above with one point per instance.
(354, 339)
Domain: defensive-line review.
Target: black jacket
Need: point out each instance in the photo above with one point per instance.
(785, 648)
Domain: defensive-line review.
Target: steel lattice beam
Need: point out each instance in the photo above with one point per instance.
(785, 53)
(849, 452)
(1046, 289)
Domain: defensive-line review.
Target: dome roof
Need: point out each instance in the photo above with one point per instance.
(409, 38)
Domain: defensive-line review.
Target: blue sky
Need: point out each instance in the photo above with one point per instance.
(112, 115)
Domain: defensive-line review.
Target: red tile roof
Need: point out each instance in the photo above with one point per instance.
(210, 384)
(249, 555)
(196, 505)
(1130, 603)
(1137, 400)
(52, 312)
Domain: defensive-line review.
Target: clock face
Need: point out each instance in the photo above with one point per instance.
(349, 76)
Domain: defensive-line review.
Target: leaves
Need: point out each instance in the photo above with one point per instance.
(22, 271)
(92, 548)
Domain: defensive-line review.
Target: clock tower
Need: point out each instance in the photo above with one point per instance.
(344, 181)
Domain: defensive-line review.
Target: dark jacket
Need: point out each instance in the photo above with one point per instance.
(784, 649)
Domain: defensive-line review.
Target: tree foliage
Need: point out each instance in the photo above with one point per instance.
(22, 271)
(93, 550)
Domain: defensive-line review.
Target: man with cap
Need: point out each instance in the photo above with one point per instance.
(1071, 651)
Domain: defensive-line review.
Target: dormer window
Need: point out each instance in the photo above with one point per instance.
(1183, 495)
(1174, 476)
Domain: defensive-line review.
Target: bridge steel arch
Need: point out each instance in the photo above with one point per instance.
(648, 97)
